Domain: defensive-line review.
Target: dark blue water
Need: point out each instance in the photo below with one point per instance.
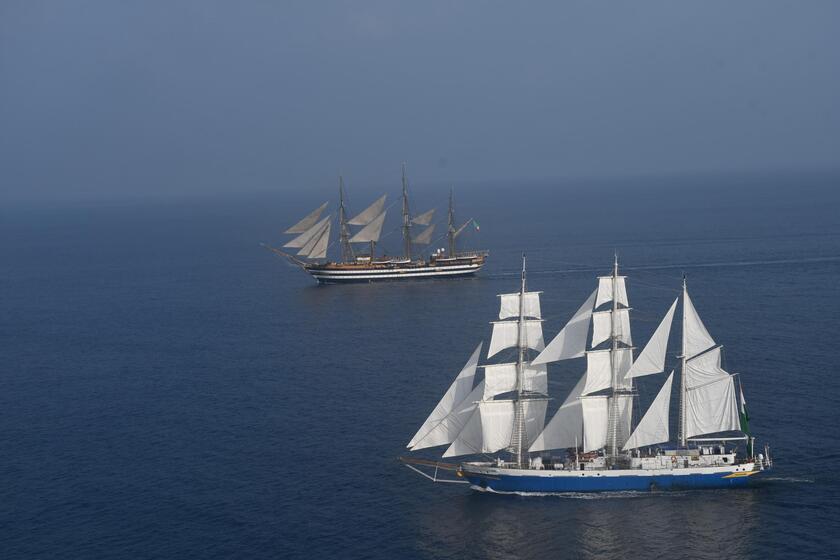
(169, 389)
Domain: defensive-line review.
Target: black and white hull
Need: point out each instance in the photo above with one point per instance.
(334, 273)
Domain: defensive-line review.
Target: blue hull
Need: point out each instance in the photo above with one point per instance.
(605, 484)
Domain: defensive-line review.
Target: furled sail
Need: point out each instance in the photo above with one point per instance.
(565, 429)
(425, 236)
(490, 428)
(319, 251)
(652, 358)
(570, 342)
(711, 408)
(501, 378)
(510, 305)
(305, 237)
(308, 221)
(653, 427)
(605, 290)
(313, 241)
(595, 418)
(599, 369)
(457, 392)
(602, 326)
(371, 231)
(445, 431)
(423, 219)
(506, 335)
(697, 338)
(369, 214)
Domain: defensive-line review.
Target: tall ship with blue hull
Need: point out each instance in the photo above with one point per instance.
(592, 443)
(359, 261)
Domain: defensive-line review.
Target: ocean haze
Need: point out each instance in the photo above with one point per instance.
(128, 99)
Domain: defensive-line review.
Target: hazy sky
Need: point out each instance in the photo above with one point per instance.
(131, 97)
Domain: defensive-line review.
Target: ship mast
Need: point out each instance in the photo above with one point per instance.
(344, 232)
(612, 429)
(451, 232)
(683, 359)
(406, 217)
(519, 416)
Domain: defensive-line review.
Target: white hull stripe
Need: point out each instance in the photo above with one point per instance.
(418, 273)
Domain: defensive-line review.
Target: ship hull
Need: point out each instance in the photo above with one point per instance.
(525, 481)
(342, 275)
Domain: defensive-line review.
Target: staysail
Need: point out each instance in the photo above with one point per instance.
(425, 236)
(308, 221)
(452, 399)
(566, 426)
(371, 232)
(697, 338)
(305, 237)
(369, 214)
(652, 358)
(319, 249)
(423, 219)
(653, 427)
(570, 342)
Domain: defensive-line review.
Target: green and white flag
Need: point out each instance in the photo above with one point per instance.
(745, 420)
(745, 417)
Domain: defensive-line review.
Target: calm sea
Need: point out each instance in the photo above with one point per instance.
(170, 389)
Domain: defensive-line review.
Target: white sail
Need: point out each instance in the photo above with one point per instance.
(423, 219)
(448, 429)
(697, 338)
(704, 369)
(652, 358)
(310, 244)
(565, 429)
(469, 440)
(506, 335)
(501, 378)
(595, 414)
(602, 326)
(305, 237)
(605, 291)
(371, 231)
(711, 408)
(369, 214)
(653, 427)
(599, 369)
(570, 342)
(308, 221)
(425, 236)
(490, 428)
(319, 251)
(510, 305)
(457, 392)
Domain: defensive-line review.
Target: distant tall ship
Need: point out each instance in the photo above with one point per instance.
(502, 417)
(312, 242)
